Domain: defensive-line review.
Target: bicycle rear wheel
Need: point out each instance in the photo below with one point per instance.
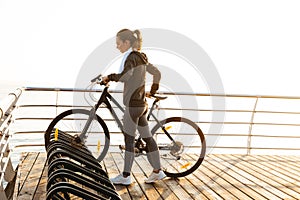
(72, 122)
(186, 152)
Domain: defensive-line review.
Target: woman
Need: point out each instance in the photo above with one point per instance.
(133, 73)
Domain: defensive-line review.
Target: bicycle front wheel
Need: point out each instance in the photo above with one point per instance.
(72, 123)
(181, 144)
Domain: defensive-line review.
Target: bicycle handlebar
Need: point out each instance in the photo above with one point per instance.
(96, 78)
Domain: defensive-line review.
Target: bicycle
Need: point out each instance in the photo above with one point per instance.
(181, 142)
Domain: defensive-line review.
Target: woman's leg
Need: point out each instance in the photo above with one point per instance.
(129, 154)
(152, 149)
(130, 122)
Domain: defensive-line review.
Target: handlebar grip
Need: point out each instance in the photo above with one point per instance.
(96, 78)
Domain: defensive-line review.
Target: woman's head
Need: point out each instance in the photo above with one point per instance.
(129, 39)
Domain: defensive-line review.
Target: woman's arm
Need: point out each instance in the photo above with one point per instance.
(125, 74)
(156, 77)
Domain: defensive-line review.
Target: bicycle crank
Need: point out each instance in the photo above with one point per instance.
(176, 148)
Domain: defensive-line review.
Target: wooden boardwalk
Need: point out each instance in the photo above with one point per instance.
(219, 177)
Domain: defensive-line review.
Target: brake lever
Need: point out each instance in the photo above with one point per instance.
(96, 78)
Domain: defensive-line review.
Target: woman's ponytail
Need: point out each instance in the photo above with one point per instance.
(138, 42)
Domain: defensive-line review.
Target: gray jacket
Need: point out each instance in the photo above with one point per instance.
(134, 76)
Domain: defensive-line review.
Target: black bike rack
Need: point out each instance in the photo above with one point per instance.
(74, 172)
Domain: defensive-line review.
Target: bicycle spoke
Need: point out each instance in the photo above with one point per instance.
(184, 138)
(73, 122)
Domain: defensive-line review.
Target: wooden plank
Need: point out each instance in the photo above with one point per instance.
(41, 191)
(265, 180)
(17, 184)
(188, 183)
(280, 164)
(225, 181)
(160, 186)
(190, 188)
(293, 167)
(217, 183)
(134, 189)
(243, 177)
(204, 190)
(148, 189)
(33, 178)
(237, 181)
(290, 158)
(25, 167)
(207, 184)
(294, 158)
(274, 168)
(284, 180)
(289, 188)
(173, 184)
(259, 179)
(112, 170)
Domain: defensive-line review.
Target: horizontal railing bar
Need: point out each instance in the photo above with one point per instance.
(34, 118)
(29, 132)
(56, 106)
(252, 148)
(185, 109)
(266, 148)
(49, 89)
(248, 123)
(116, 133)
(214, 110)
(210, 134)
(214, 147)
(163, 93)
(199, 122)
(29, 145)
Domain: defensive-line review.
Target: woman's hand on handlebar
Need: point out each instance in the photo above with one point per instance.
(104, 80)
(149, 95)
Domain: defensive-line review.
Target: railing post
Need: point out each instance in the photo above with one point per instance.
(250, 127)
(7, 172)
(56, 102)
(8, 103)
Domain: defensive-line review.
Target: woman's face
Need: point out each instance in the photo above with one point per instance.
(123, 46)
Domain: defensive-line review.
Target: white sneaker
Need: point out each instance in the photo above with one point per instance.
(155, 176)
(121, 180)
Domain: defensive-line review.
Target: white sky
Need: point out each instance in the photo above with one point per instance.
(255, 45)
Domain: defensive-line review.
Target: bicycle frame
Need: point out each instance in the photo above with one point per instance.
(104, 98)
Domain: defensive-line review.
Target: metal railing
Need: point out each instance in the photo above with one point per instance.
(252, 124)
(7, 173)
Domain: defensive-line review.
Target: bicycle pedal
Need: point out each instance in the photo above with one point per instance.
(137, 151)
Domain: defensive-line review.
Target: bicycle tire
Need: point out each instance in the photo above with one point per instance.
(66, 115)
(191, 162)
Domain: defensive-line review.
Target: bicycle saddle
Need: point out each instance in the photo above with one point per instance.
(159, 97)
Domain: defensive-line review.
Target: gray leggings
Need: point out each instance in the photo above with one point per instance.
(135, 119)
